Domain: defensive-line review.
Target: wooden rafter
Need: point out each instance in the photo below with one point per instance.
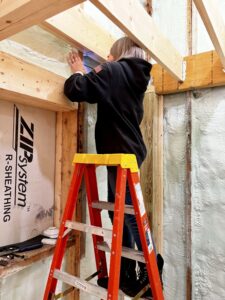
(81, 31)
(214, 24)
(132, 18)
(28, 84)
(17, 15)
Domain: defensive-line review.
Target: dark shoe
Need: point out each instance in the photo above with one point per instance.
(143, 276)
(128, 283)
(160, 263)
(103, 282)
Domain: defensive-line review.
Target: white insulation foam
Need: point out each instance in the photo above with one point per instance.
(208, 195)
(174, 196)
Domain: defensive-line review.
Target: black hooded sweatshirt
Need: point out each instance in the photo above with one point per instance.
(118, 89)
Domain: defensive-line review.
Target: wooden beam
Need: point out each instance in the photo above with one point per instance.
(188, 177)
(152, 167)
(157, 173)
(146, 168)
(80, 31)
(66, 146)
(17, 15)
(132, 18)
(69, 131)
(214, 23)
(203, 71)
(28, 84)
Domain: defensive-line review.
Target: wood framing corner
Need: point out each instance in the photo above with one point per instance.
(214, 24)
(203, 70)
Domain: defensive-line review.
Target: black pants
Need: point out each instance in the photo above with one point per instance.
(130, 228)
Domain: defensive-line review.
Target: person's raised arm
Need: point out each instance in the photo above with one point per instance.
(91, 87)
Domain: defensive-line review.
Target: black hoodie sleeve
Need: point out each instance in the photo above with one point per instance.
(90, 88)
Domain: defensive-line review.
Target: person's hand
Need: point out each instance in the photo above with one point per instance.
(75, 62)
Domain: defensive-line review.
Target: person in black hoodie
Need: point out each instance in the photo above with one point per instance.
(118, 88)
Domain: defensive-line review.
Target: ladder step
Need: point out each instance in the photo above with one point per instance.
(81, 284)
(128, 209)
(107, 233)
(126, 252)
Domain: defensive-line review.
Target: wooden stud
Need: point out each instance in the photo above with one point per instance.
(80, 31)
(217, 72)
(66, 147)
(157, 173)
(58, 170)
(188, 179)
(69, 148)
(203, 70)
(132, 18)
(188, 198)
(146, 168)
(17, 15)
(28, 84)
(152, 168)
(214, 23)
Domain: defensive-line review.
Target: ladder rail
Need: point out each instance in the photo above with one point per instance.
(95, 217)
(117, 235)
(61, 241)
(145, 235)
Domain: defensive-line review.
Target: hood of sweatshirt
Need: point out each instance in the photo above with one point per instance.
(137, 72)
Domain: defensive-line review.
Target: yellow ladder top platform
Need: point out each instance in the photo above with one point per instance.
(126, 161)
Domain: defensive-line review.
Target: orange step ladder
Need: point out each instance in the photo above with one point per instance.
(127, 170)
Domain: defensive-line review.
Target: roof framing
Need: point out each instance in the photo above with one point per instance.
(17, 15)
(81, 31)
(214, 24)
(129, 15)
(133, 19)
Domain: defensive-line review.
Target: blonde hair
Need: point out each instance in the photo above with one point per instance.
(124, 48)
